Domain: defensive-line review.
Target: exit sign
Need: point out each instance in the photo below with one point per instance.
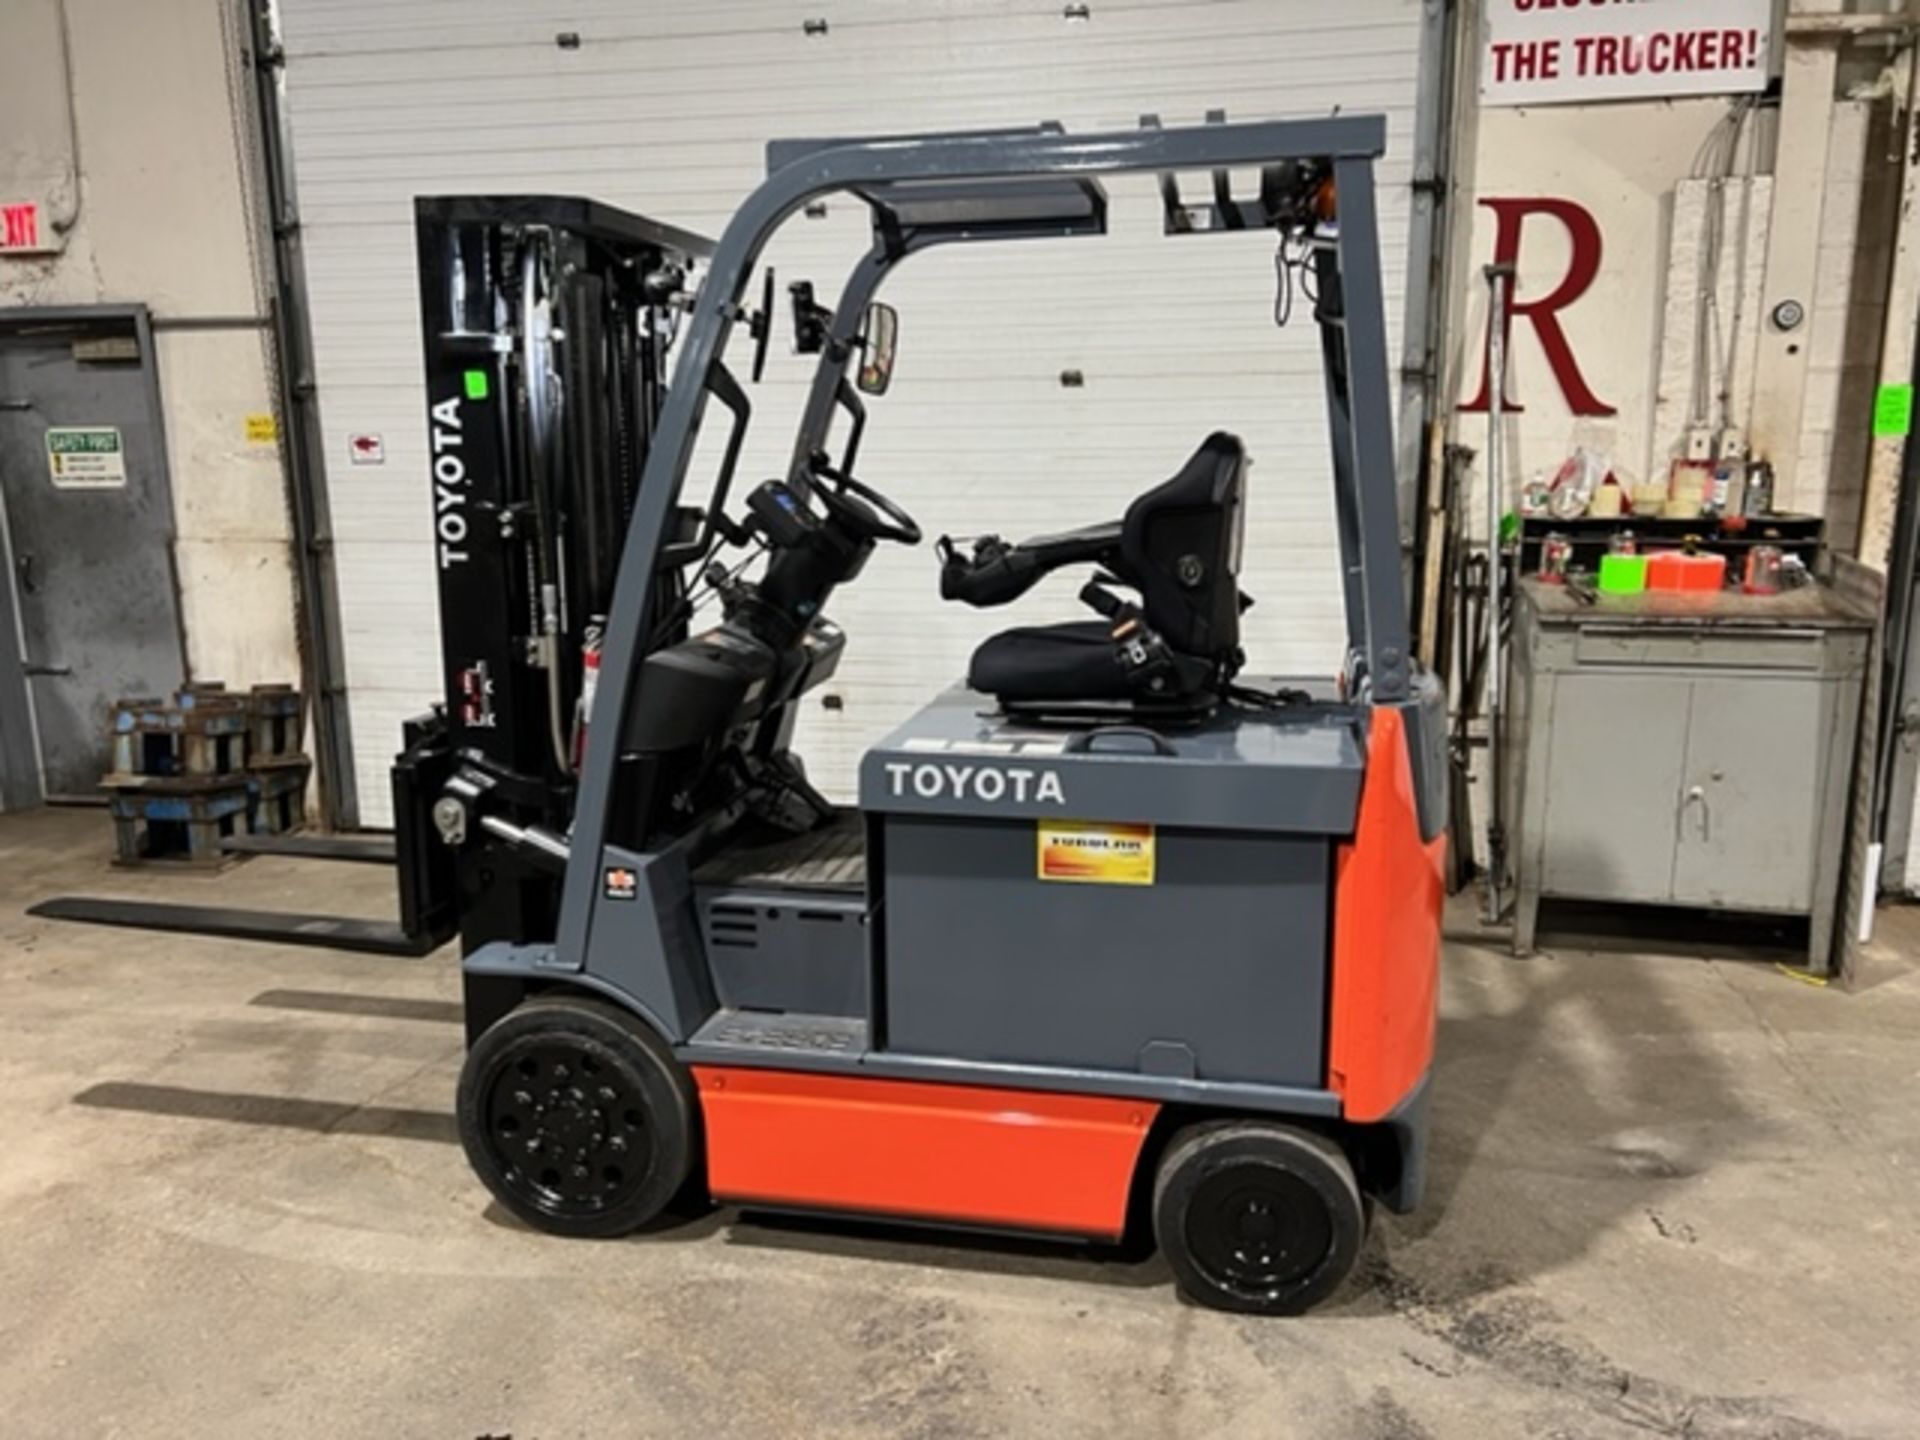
(24, 230)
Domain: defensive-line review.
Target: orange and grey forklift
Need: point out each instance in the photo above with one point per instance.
(1115, 929)
(1118, 938)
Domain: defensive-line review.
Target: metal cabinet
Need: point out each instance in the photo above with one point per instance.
(1683, 750)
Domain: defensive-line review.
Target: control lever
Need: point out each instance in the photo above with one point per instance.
(1097, 596)
(994, 574)
(997, 572)
(720, 580)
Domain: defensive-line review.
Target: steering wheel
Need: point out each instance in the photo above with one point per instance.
(863, 509)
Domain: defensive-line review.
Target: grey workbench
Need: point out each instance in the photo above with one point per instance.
(1676, 749)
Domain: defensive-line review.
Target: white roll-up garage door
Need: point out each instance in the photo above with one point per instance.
(1039, 384)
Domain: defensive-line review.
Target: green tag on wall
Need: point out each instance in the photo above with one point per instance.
(1893, 410)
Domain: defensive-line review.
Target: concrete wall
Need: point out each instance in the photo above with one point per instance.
(164, 219)
(1848, 315)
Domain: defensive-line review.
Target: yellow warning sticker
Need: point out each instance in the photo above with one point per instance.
(1095, 854)
(262, 430)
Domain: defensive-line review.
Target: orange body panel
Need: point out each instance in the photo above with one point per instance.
(1389, 885)
(1022, 1159)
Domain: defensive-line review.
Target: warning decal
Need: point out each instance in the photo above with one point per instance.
(1094, 854)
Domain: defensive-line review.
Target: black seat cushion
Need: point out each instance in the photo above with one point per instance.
(1070, 661)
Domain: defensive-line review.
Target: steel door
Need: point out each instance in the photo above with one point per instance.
(1750, 797)
(1618, 742)
(89, 529)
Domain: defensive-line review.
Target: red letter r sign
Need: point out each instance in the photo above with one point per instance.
(1543, 313)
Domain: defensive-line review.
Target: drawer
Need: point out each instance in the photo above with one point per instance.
(1700, 648)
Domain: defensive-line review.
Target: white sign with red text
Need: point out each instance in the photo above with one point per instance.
(1547, 52)
(24, 229)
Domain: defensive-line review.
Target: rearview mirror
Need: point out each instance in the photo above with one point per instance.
(877, 334)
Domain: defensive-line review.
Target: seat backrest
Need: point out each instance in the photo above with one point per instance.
(1180, 543)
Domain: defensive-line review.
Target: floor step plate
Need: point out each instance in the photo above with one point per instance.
(759, 1033)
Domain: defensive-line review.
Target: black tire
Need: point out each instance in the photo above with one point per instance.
(577, 1117)
(1257, 1217)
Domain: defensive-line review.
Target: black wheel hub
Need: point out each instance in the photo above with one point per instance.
(1255, 1229)
(567, 1129)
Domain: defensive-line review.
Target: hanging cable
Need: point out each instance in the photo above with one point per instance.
(70, 214)
(1291, 254)
(1282, 284)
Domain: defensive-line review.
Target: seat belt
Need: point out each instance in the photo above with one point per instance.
(1142, 653)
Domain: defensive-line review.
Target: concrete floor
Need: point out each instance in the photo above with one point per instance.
(1671, 1195)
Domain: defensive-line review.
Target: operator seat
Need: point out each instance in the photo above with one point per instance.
(1178, 546)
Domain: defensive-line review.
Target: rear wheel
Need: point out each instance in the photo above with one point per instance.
(577, 1117)
(1257, 1217)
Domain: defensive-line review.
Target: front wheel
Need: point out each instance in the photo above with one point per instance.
(1257, 1217)
(577, 1117)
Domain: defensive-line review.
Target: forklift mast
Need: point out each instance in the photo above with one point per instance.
(546, 327)
(547, 323)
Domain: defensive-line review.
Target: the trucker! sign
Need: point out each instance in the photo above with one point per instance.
(1544, 52)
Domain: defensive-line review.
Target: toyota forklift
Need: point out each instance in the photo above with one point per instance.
(1119, 937)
